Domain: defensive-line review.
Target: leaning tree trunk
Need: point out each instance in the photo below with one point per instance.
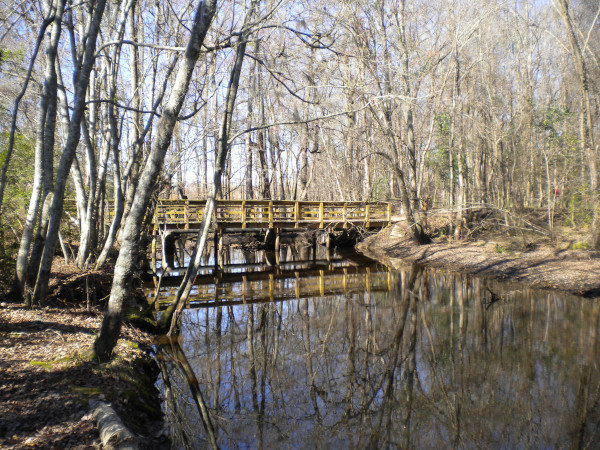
(121, 289)
(174, 311)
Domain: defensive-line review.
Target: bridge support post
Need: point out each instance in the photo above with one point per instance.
(277, 240)
(216, 247)
(270, 238)
(168, 250)
(153, 251)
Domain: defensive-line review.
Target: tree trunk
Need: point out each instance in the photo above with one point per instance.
(119, 203)
(121, 289)
(13, 125)
(79, 106)
(414, 219)
(46, 124)
(89, 229)
(586, 122)
(171, 316)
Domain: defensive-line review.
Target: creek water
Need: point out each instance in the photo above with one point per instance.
(330, 351)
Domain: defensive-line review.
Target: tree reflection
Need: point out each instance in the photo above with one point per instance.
(430, 363)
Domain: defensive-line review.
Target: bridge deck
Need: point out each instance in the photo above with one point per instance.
(187, 214)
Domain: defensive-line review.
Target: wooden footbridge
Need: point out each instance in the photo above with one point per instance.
(174, 217)
(179, 215)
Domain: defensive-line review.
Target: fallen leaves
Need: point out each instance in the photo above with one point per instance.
(46, 381)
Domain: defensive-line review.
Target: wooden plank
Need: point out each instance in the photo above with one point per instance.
(186, 215)
(321, 214)
(243, 214)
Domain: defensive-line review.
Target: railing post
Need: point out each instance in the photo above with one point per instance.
(389, 213)
(321, 214)
(296, 214)
(345, 215)
(270, 214)
(186, 215)
(368, 215)
(244, 288)
(243, 214)
(155, 219)
(154, 253)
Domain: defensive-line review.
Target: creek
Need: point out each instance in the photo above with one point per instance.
(310, 350)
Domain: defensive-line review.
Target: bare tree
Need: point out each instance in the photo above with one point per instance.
(586, 126)
(44, 154)
(82, 77)
(171, 316)
(128, 253)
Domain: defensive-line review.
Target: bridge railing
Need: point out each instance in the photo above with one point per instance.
(268, 214)
(186, 214)
(281, 287)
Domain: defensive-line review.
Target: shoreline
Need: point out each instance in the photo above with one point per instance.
(50, 390)
(571, 271)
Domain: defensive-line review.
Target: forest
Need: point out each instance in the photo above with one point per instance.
(440, 108)
(433, 106)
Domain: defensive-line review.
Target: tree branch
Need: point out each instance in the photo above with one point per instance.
(294, 122)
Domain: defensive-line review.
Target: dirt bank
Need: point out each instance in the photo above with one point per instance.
(47, 381)
(539, 264)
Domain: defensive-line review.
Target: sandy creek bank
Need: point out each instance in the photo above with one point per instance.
(543, 266)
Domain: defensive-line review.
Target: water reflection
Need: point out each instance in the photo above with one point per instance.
(269, 276)
(431, 363)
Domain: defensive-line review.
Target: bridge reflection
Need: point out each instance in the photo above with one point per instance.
(273, 281)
